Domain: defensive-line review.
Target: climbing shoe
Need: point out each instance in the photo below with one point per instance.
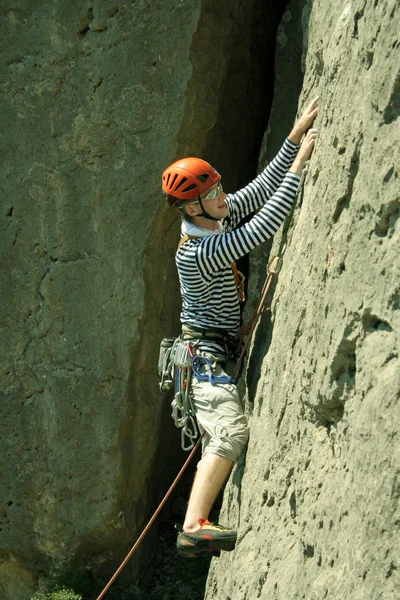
(208, 540)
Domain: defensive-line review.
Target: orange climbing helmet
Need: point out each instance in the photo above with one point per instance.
(187, 178)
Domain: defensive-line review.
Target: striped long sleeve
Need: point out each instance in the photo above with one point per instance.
(209, 294)
(255, 194)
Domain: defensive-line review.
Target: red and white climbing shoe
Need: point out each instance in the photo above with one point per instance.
(207, 540)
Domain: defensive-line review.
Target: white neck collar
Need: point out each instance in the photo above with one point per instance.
(191, 229)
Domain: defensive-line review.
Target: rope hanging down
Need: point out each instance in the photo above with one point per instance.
(150, 523)
(273, 268)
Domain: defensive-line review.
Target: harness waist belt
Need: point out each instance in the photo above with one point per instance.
(210, 334)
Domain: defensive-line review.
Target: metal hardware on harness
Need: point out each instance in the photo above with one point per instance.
(239, 281)
(185, 365)
(200, 361)
(183, 412)
(165, 363)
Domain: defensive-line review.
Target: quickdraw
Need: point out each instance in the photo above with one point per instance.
(183, 412)
(239, 280)
(200, 361)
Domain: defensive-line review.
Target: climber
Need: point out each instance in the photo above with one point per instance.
(212, 239)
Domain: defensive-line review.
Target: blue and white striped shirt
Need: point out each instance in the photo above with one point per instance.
(209, 294)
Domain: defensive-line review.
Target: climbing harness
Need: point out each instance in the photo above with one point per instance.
(222, 337)
(177, 364)
(273, 269)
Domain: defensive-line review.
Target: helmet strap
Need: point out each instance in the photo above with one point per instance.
(205, 213)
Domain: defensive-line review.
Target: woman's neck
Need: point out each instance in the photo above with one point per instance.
(205, 223)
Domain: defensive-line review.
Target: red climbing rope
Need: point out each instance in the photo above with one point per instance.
(248, 329)
(149, 524)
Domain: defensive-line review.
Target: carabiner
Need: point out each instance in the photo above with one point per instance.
(213, 379)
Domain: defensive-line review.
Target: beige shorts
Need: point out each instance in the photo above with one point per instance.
(220, 415)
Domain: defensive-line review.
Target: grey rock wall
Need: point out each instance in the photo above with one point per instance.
(97, 99)
(85, 88)
(316, 499)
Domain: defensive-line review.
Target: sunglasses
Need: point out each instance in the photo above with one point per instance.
(214, 193)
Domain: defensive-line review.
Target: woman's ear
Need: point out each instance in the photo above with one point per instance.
(191, 209)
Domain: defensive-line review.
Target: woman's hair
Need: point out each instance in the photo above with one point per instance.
(171, 200)
(185, 216)
(179, 205)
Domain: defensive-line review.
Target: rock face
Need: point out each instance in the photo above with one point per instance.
(316, 499)
(99, 98)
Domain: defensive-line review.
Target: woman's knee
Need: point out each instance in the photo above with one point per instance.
(229, 443)
(239, 440)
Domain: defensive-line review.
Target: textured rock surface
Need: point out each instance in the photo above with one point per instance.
(98, 97)
(85, 103)
(316, 501)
